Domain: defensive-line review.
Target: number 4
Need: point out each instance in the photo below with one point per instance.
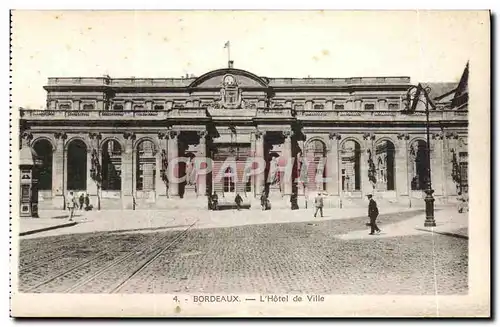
(175, 299)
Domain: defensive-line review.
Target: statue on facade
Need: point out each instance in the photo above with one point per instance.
(190, 172)
(274, 171)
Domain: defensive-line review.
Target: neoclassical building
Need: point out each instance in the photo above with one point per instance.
(113, 138)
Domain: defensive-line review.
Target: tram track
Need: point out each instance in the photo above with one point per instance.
(34, 260)
(109, 250)
(127, 262)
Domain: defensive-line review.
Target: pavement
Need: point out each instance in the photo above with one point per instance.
(53, 223)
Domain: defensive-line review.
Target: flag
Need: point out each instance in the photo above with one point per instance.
(226, 45)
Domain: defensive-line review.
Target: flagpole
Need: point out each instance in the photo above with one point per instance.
(228, 52)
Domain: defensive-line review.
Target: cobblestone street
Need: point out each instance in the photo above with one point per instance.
(292, 257)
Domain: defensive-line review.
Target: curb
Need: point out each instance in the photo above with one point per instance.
(34, 231)
(444, 233)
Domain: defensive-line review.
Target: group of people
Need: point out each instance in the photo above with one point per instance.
(213, 201)
(82, 202)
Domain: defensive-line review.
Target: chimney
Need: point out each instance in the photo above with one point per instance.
(230, 63)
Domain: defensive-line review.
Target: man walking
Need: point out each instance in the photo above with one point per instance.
(71, 202)
(373, 214)
(318, 202)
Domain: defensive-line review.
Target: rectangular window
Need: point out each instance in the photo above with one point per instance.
(393, 106)
(88, 106)
(299, 107)
(158, 107)
(64, 106)
(138, 107)
(369, 106)
(118, 107)
(319, 107)
(339, 107)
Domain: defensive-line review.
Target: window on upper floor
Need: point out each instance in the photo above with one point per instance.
(278, 106)
(369, 106)
(64, 106)
(88, 106)
(339, 107)
(138, 107)
(319, 106)
(299, 107)
(118, 107)
(159, 107)
(393, 106)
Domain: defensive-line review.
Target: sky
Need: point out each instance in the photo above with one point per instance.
(424, 45)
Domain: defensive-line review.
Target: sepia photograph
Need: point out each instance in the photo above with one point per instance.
(250, 163)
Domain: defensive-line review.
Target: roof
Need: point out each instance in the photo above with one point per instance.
(439, 90)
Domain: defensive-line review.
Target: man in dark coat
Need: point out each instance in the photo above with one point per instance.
(238, 201)
(373, 214)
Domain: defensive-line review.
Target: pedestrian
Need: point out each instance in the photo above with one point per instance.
(87, 202)
(81, 200)
(318, 202)
(263, 201)
(215, 201)
(238, 200)
(71, 203)
(373, 214)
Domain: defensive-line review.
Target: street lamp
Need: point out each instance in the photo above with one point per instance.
(413, 96)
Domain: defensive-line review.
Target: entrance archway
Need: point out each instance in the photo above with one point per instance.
(419, 165)
(44, 150)
(77, 166)
(316, 156)
(384, 161)
(111, 166)
(350, 153)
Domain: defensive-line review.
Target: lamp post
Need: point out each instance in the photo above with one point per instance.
(413, 96)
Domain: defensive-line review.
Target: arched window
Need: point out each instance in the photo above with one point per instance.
(228, 180)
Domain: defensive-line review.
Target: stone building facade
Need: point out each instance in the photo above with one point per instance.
(114, 138)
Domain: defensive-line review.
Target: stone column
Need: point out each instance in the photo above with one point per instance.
(450, 145)
(58, 172)
(401, 162)
(437, 164)
(259, 153)
(309, 105)
(128, 173)
(332, 162)
(329, 105)
(161, 168)
(202, 152)
(367, 147)
(93, 176)
(287, 154)
(173, 153)
(149, 105)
